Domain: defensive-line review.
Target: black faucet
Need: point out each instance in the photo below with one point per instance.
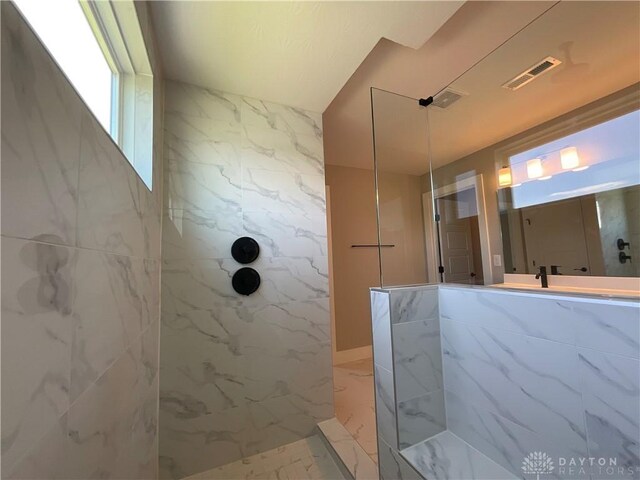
(542, 275)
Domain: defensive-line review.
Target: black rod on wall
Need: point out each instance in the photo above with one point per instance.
(374, 245)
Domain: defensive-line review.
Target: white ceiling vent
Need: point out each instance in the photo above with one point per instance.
(531, 73)
(447, 97)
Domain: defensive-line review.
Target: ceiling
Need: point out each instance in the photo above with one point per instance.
(475, 30)
(297, 53)
(599, 45)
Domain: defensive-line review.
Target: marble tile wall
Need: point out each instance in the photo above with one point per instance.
(557, 374)
(80, 281)
(520, 372)
(417, 362)
(241, 375)
(407, 371)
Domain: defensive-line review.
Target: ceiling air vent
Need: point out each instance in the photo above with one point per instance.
(531, 73)
(447, 97)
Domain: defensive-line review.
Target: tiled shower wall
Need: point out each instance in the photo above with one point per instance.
(80, 279)
(241, 375)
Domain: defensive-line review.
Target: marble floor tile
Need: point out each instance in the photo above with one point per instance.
(354, 402)
(301, 460)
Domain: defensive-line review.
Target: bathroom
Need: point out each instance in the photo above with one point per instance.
(320, 240)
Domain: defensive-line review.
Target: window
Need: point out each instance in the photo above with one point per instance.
(100, 48)
(63, 28)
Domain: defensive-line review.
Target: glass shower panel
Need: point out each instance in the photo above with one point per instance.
(400, 143)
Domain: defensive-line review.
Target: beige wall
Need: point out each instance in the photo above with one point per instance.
(474, 31)
(401, 225)
(355, 270)
(353, 221)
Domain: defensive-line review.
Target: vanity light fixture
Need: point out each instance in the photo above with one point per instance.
(569, 158)
(534, 168)
(504, 177)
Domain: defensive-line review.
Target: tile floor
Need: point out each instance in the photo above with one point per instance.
(306, 459)
(354, 402)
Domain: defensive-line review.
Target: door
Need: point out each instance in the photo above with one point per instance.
(554, 235)
(456, 240)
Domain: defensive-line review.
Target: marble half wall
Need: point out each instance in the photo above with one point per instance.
(521, 372)
(531, 372)
(241, 375)
(80, 278)
(408, 373)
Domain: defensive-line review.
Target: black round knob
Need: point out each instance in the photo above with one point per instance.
(245, 250)
(246, 281)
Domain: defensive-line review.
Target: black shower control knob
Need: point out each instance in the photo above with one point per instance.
(246, 281)
(245, 250)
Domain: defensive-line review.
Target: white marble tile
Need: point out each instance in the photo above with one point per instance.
(241, 167)
(385, 406)
(104, 415)
(190, 139)
(194, 235)
(203, 369)
(354, 402)
(611, 397)
(110, 312)
(206, 369)
(297, 323)
(286, 235)
(281, 420)
(500, 439)
(532, 382)
(350, 452)
(381, 329)
(204, 283)
(282, 192)
(292, 369)
(445, 456)
(409, 304)
(420, 418)
(259, 113)
(48, 457)
(392, 466)
(608, 326)
(202, 188)
(40, 143)
(195, 101)
(37, 301)
(417, 358)
(110, 197)
(282, 151)
(193, 445)
(517, 313)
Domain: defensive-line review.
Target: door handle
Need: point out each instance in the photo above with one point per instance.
(472, 274)
(582, 269)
